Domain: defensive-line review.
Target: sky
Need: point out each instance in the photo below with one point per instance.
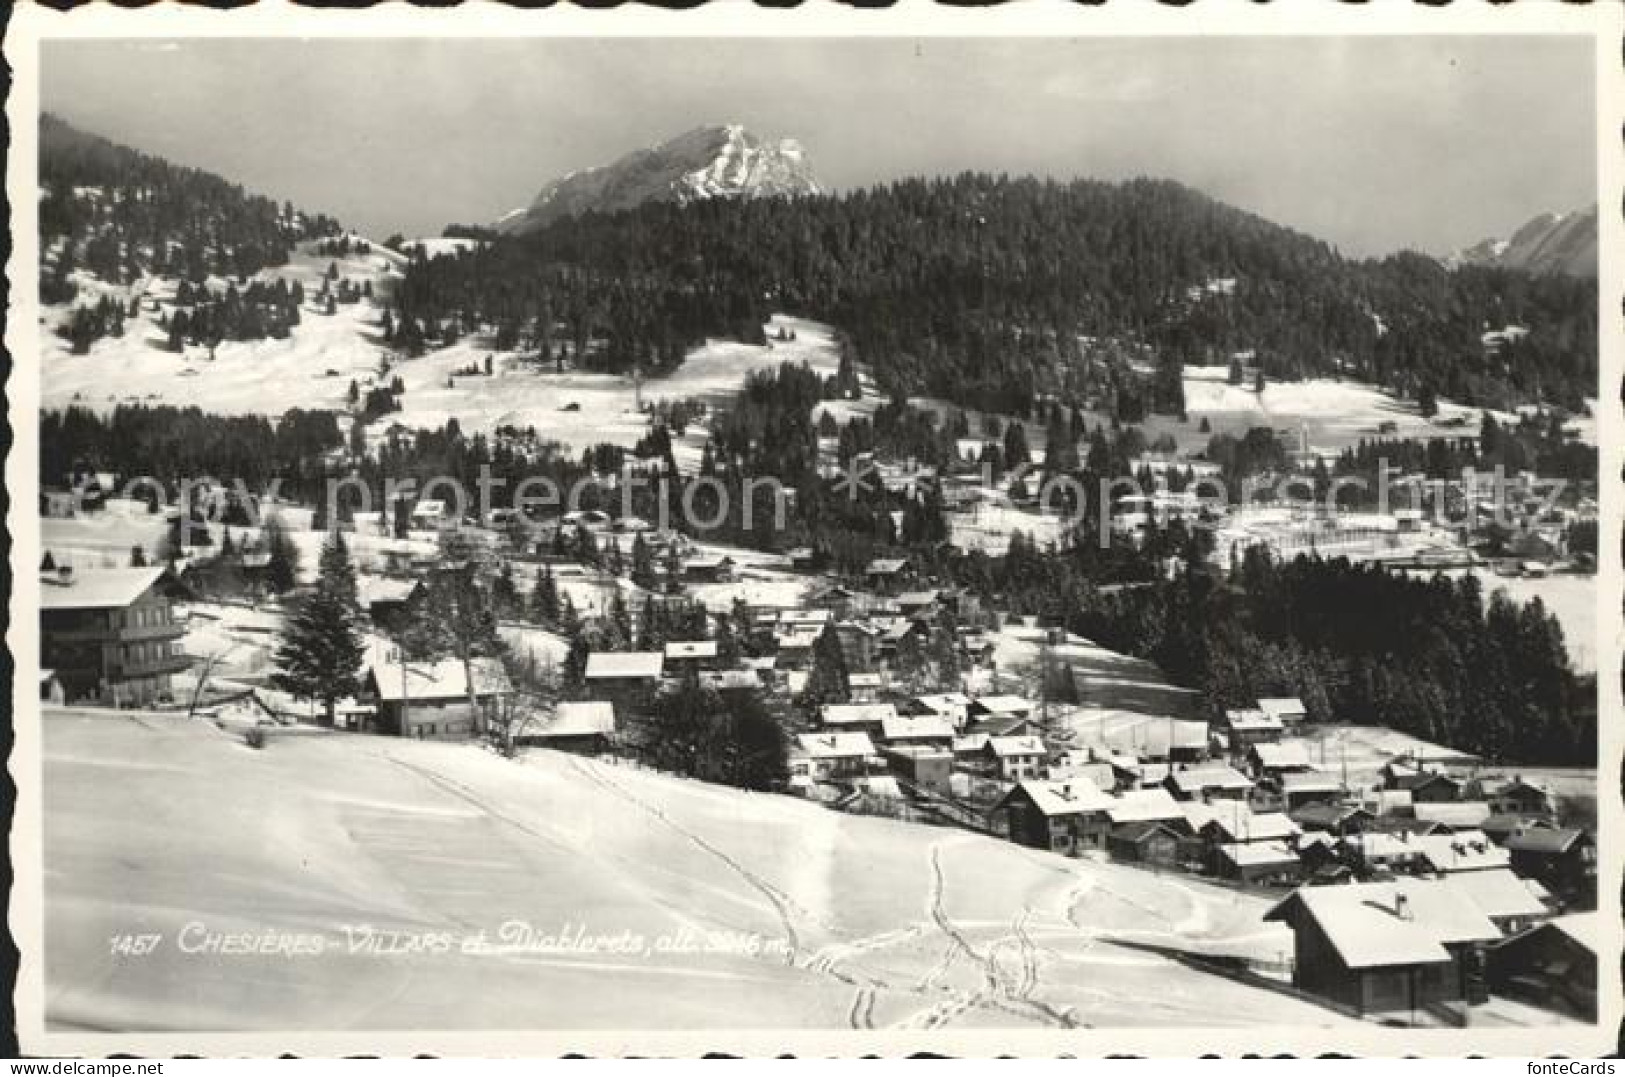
(1373, 144)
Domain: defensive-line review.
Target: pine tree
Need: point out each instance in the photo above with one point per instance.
(320, 651)
(282, 570)
(643, 564)
(544, 599)
(828, 681)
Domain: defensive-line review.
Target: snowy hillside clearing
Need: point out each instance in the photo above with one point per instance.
(803, 918)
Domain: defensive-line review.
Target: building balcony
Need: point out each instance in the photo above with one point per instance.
(156, 667)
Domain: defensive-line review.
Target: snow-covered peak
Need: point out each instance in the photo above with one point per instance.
(719, 161)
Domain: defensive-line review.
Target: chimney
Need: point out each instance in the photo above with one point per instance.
(1402, 906)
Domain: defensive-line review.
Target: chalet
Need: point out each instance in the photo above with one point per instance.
(917, 603)
(1288, 710)
(1002, 725)
(1392, 947)
(1307, 787)
(1376, 852)
(1552, 964)
(794, 645)
(386, 599)
(1458, 815)
(1337, 819)
(1434, 788)
(1016, 758)
(1250, 727)
(1562, 859)
(1274, 761)
(1000, 707)
(1211, 782)
(888, 575)
(50, 688)
(1500, 826)
(867, 718)
(718, 569)
(1175, 740)
(923, 766)
(1234, 824)
(1061, 816)
(893, 636)
(1130, 773)
(865, 687)
(1077, 766)
(731, 680)
(1266, 863)
(430, 700)
(834, 598)
(833, 756)
(1145, 842)
(1146, 806)
(1466, 850)
(927, 730)
(1511, 796)
(1511, 903)
(801, 558)
(586, 728)
(690, 656)
(970, 749)
(1389, 803)
(629, 679)
(954, 706)
(110, 635)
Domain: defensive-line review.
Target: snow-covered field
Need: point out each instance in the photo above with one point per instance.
(1336, 413)
(1122, 697)
(314, 367)
(386, 860)
(311, 369)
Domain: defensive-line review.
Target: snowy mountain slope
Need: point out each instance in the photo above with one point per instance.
(1551, 243)
(707, 162)
(774, 912)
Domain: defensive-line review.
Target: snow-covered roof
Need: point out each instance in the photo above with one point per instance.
(917, 598)
(444, 678)
(857, 713)
(1464, 850)
(1370, 927)
(835, 745)
(917, 727)
(1498, 892)
(578, 719)
(731, 679)
(944, 702)
(1004, 704)
(1283, 708)
(698, 648)
(1064, 797)
(1458, 814)
(1142, 805)
(1311, 781)
(619, 664)
(370, 589)
(97, 589)
(1252, 721)
(1216, 776)
(1008, 747)
(1249, 854)
(1281, 756)
(1244, 825)
(885, 566)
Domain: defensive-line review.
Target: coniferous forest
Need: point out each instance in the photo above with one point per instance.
(117, 213)
(998, 291)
